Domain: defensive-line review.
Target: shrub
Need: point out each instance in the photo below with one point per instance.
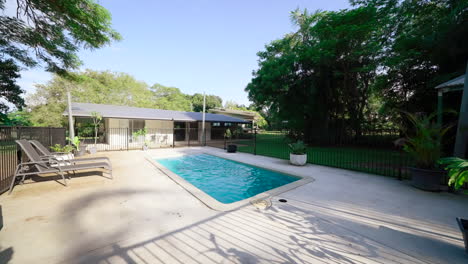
(60, 148)
(457, 171)
(425, 146)
(298, 148)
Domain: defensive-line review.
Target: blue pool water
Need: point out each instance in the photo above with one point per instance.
(225, 180)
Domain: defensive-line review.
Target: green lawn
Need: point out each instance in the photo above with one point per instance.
(378, 161)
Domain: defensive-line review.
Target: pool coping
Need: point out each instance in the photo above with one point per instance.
(219, 206)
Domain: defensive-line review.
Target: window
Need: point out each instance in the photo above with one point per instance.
(138, 124)
(227, 124)
(216, 124)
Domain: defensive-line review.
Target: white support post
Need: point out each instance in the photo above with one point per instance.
(203, 121)
(71, 128)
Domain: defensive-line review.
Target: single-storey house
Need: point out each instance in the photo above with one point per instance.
(124, 126)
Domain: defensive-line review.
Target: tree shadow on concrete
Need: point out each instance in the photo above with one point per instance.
(407, 242)
(282, 234)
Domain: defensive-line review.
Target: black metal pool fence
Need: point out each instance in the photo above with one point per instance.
(374, 151)
(10, 154)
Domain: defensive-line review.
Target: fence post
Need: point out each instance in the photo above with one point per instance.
(127, 137)
(204, 135)
(50, 136)
(187, 134)
(173, 135)
(224, 136)
(255, 141)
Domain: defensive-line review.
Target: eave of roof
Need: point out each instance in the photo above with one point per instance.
(457, 82)
(232, 111)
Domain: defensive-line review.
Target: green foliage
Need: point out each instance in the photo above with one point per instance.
(261, 122)
(60, 148)
(233, 105)
(425, 47)
(16, 118)
(298, 148)
(322, 73)
(141, 132)
(359, 67)
(457, 171)
(425, 143)
(48, 103)
(169, 98)
(48, 33)
(228, 134)
(97, 118)
(76, 142)
(212, 101)
(9, 90)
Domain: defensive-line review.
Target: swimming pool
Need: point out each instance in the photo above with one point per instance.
(225, 180)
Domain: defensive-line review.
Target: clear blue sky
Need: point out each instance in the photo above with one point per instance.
(196, 46)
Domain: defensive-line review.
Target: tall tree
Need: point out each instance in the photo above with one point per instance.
(426, 46)
(17, 118)
(170, 98)
(48, 33)
(212, 101)
(320, 75)
(9, 90)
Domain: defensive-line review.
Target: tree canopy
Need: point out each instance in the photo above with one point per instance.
(169, 98)
(48, 33)
(48, 103)
(353, 69)
(212, 101)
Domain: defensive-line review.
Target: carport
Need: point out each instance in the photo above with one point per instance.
(458, 84)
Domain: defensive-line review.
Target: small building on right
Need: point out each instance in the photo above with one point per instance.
(250, 116)
(458, 84)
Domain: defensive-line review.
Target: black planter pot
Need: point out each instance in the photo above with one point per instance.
(231, 148)
(463, 224)
(427, 180)
(81, 152)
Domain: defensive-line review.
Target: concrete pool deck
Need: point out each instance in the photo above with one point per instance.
(142, 216)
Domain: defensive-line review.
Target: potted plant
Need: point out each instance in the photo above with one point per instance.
(145, 145)
(80, 149)
(65, 152)
(425, 147)
(97, 118)
(458, 175)
(67, 149)
(298, 154)
(231, 148)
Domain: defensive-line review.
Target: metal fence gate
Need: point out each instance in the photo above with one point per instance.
(10, 154)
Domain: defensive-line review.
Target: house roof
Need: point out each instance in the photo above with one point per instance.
(233, 111)
(457, 82)
(247, 115)
(118, 111)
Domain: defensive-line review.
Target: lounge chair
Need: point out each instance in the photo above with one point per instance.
(62, 155)
(44, 165)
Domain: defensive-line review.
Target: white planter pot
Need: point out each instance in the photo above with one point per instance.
(92, 150)
(298, 160)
